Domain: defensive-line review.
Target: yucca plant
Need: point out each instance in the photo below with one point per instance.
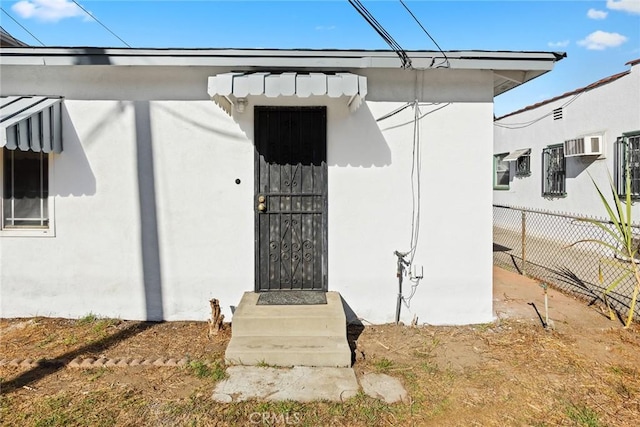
(625, 246)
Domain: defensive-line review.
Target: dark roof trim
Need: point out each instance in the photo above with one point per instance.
(7, 40)
(587, 88)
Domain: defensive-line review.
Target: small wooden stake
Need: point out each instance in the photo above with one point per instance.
(215, 323)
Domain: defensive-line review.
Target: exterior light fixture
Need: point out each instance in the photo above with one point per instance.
(241, 104)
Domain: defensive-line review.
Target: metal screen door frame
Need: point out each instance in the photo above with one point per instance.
(290, 198)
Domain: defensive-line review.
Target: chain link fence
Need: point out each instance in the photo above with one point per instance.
(542, 245)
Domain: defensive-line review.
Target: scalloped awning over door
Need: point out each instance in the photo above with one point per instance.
(31, 123)
(225, 89)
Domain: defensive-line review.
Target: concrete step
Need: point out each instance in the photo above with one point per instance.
(323, 320)
(289, 335)
(289, 351)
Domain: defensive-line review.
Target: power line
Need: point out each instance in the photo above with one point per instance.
(98, 21)
(358, 6)
(21, 26)
(533, 121)
(427, 33)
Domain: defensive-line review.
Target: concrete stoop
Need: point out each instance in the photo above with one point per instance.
(289, 335)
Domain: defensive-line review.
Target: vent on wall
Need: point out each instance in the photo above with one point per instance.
(557, 114)
(584, 146)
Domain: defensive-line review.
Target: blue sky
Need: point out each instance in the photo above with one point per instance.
(599, 36)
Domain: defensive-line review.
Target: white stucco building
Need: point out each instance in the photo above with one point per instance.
(545, 154)
(128, 192)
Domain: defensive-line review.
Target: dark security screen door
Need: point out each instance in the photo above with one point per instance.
(291, 198)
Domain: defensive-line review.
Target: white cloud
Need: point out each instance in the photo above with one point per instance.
(47, 10)
(563, 43)
(600, 40)
(631, 6)
(597, 14)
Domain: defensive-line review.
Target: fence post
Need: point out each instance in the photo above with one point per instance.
(523, 245)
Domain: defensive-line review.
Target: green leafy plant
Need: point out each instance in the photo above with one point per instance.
(625, 246)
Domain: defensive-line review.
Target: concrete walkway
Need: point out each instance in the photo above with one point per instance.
(304, 384)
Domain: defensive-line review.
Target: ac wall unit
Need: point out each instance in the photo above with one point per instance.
(584, 146)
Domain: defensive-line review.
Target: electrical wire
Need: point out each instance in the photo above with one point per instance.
(98, 21)
(448, 64)
(394, 112)
(22, 26)
(402, 54)
(416, 171)
(416, 182)
(416, 165)
(531, 122)
(421, 116)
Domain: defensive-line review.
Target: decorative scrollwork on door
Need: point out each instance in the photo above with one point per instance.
(291, 175)
(287, 254)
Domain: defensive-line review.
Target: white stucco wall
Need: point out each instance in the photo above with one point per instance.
(608, 110)
(151, 224)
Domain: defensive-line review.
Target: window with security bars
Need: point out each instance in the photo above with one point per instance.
(523, 165)
(25, 189)
(554, 175)
(627, 158)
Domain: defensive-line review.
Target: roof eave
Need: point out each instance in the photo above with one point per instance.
(256, 58)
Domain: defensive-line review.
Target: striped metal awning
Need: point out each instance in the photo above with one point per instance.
(31, 123)
(225, 89)
(515, 155)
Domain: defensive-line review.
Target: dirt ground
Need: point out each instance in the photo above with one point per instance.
(583, 370)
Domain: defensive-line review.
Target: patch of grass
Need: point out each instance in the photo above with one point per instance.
(87, 319)
(200, 369)
(263, 364)
(55, 413)
(383, 365)
(484, 327)
(440, 407)
(370, 410)
(623, 371)
(100, 327)
(5, 403)
(70, 340)
(427, 349)
(429, 368)
(94, 374)
(48, 340)
(65, 409)
(583, 415)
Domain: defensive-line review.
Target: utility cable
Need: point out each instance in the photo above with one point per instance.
(22, 26)
(394, 112)
(429, 35)
(531, 122)
(416, 163)
(98, 21)
(416, 169)
(440, 107)
(402, 54)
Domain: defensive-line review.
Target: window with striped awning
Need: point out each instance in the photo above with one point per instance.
(31, 123)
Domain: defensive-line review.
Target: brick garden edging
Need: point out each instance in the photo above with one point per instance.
(89, 362)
